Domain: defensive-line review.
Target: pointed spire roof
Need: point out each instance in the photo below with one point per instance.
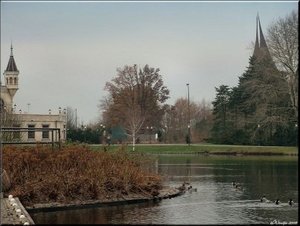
(256, 47)
(260, 48)
(11, 66)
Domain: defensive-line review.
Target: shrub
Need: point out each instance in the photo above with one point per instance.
(75, 173)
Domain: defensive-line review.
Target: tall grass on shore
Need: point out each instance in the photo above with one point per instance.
(75, 173)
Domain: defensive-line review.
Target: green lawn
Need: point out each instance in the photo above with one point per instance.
(208, 149)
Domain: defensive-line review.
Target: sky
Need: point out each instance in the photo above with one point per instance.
(67, 51)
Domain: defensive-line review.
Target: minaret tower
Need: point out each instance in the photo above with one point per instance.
(11, 75)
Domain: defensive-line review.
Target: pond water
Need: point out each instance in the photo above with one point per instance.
(216, 200)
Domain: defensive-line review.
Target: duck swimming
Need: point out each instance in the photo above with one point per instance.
(291, 202)
(190, 188)
(277, 201)
(238, 186)
(182, 188)
(263, 199)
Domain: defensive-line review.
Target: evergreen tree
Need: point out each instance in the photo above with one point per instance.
(257, 111)
(220, 130)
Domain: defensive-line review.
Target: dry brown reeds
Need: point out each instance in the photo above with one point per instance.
(75, 173)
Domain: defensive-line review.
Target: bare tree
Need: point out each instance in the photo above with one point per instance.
(135, 97)
(71, 118)
(176, 119)
(283, 45)
(10, 120)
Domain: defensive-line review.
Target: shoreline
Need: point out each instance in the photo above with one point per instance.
(206, 149)
(234, 153)
(165, 193)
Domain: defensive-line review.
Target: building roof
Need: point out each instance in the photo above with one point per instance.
(260, 49)
(11, 66)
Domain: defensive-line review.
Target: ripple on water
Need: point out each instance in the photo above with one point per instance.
(216, 200)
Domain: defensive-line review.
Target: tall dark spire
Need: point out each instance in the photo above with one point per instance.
(11, 50)
(262, 42)
(256, 47)
(260, 49)
(11, 66)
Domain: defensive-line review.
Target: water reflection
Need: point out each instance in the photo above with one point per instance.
(216, 201)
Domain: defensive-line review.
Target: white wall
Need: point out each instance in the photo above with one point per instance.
(38, 120)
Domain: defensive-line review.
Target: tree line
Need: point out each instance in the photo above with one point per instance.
(261, 110)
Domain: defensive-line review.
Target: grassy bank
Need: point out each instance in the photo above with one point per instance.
(209, 149)
(75, 173)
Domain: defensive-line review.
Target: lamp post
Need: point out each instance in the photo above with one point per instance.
(150, 133)
(103, 134)
(84, 133)
(166, 133)
(296, 128)
(189, 119)
(149, 128)
(258, 127)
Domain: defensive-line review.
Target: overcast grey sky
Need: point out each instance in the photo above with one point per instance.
(67, 51)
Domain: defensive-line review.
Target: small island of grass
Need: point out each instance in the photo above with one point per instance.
(75, 174)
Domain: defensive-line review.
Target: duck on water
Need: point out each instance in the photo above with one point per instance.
(237, 185)
(277, 201)
(264, 199)
(291, 202)
(186, 187)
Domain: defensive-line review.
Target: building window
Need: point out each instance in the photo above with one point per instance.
(31, 133)
(15, 80)
(10, 80)
(45, 134)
